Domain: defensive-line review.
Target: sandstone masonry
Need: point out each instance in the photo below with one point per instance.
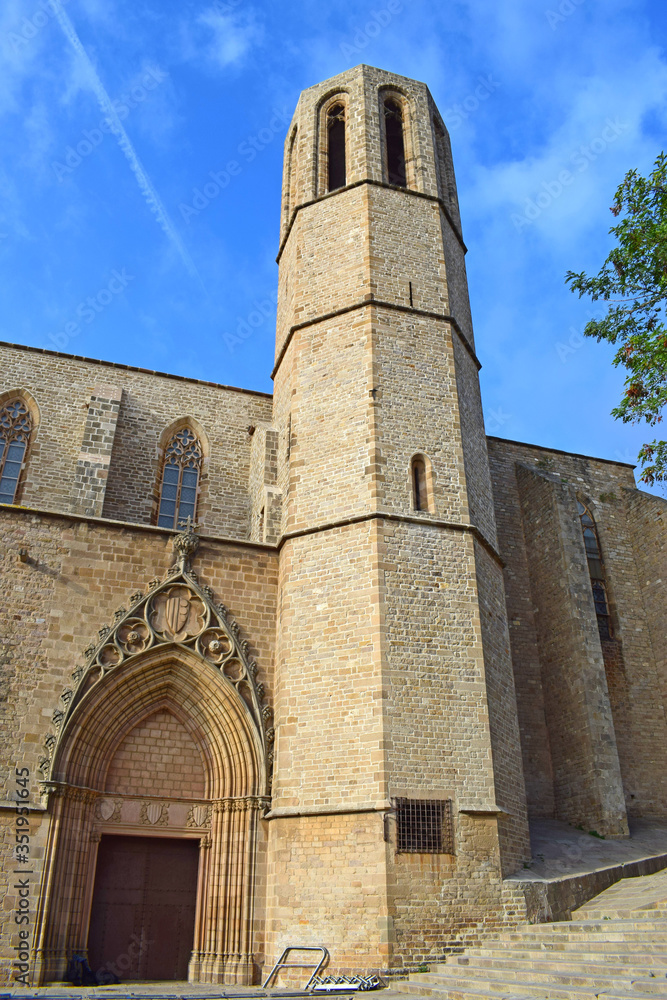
(378, 655)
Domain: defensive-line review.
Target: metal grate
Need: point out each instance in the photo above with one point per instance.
(424, 826)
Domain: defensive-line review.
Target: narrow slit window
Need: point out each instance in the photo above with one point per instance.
(395, 143)
(180, 479)
(336, 147)
(424, 826)
(15, 430)
(596, 571)
(419, 486)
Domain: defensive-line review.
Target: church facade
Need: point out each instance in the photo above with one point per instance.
(299, 669)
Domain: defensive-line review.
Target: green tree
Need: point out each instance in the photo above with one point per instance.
(633, 280)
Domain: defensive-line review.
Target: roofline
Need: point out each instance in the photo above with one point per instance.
(559, 451)
(133, 368)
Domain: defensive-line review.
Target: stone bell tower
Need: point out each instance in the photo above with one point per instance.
(398, 800)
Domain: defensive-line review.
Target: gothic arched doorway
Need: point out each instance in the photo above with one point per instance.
(161, 749)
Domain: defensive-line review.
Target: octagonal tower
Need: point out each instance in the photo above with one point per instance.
(398, 801)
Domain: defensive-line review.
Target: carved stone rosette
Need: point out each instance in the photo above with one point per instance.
(179, 612)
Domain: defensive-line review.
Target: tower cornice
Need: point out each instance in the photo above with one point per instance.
(379, 184)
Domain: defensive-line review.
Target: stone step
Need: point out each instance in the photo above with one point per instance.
(622, 911)
(600, 979)
(466, 990)
(584, 931)
(637, 921)
(514, 991)
(631, 956)
(554, 963)
(557, 940)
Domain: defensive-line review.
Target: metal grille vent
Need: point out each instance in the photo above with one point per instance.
(424, 826)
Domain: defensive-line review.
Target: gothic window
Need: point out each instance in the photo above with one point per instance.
(336, 147)
(15, 428)
(180, 479)
(424, 826)
(419, 484)
(394, 142)
(596, 570)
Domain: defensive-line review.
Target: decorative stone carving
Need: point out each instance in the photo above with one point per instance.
(215, 645)
(185, 544)
(259, 803)
(199, 816)
(155, 813)
(134, 635)
(108, 811)
(179, 612)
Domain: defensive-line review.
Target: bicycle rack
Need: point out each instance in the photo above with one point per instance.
(282, 964)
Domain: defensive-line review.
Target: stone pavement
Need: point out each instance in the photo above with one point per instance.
(559, 849)
(172, 991)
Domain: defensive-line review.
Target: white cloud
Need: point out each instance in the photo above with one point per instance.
(219, 36)
(559, 189)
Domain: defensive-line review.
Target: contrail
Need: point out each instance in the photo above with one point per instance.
(145, 185)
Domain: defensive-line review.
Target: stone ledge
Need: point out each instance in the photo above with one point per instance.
(554, 899)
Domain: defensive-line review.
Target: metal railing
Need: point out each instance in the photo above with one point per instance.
(282, 964)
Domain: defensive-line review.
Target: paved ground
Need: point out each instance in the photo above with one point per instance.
(560, 850)
(175, 991)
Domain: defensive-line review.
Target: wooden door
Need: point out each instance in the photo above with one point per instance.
(143, 913)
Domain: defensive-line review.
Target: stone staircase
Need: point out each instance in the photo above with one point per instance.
(615, 947)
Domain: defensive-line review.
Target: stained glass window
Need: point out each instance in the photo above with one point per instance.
(15, 428)
(180, 479)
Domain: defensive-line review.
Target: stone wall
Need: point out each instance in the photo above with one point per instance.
(623, 517)
(96, 450)
(76, 572)
(647, 522)
(587, 778)
(157, 757)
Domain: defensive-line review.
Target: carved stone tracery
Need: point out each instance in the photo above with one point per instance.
(178, 612)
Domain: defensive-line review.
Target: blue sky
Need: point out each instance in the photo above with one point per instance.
(548, 105)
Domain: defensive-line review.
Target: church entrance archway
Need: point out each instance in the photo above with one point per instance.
(164, 738)
(142, 920)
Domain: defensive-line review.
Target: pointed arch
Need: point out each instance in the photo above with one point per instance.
(396, 138)
(332, 142)
(183, 453)
(173, 651)
(19, 419)
(196, 693)
(173, 622)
